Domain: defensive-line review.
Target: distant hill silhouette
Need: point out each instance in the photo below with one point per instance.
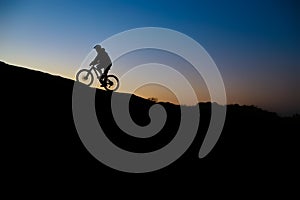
(40, 141)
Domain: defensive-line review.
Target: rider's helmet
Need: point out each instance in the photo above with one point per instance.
(97, 47)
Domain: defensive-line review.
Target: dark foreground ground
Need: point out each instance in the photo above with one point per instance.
(40, 145)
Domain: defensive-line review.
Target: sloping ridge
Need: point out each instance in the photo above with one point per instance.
(40, 135)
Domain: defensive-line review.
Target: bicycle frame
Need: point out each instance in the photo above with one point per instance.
(96, 71)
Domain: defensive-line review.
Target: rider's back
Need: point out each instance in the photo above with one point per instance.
(103, 58)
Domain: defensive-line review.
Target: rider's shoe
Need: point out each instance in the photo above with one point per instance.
(103, 84)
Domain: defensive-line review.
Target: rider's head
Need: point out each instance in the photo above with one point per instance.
(98, 48)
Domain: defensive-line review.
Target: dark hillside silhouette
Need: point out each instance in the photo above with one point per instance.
(40, 142)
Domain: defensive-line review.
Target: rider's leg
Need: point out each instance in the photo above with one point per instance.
(104, 75)
(106, 70)
(99, 68)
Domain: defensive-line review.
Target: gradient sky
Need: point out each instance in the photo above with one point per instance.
(254, 43)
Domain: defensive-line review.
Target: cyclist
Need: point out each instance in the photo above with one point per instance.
(103, 61)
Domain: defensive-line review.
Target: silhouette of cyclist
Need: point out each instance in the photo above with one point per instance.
(103, 61)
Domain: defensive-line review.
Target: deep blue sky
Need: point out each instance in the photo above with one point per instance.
(254, 43)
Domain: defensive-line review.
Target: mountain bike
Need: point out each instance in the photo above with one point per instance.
(109, 82)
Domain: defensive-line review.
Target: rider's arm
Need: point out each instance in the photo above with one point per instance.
(92, 63)
(95, 61)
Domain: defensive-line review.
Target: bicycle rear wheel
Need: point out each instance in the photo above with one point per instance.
(85, 76)
(112, 83)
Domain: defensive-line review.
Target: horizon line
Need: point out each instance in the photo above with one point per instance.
(200, 102)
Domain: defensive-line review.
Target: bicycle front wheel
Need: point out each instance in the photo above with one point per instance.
(112, 83)
(85, 76)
